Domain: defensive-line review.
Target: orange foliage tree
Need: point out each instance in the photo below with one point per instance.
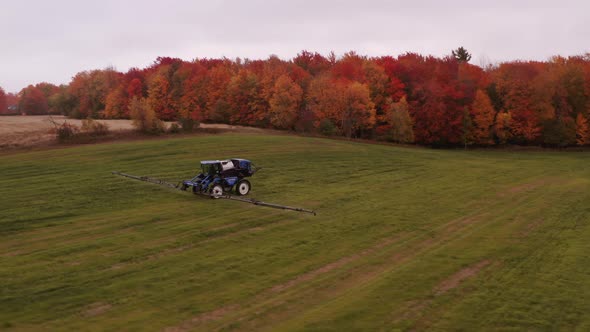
(582, 130)
(483, 113)
(243, 96)
(358, 111)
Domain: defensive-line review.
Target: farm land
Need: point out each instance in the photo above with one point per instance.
(404, 239)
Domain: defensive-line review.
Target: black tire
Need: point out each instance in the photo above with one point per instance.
(216, 191)
(243, 187)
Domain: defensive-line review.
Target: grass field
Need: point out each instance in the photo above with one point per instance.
(404, 239)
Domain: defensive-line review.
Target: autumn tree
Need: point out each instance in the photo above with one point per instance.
(350, 68)
(468, 134)
(358, 113)
(217, 81)
(314, 63)
(90, 90)
(160, 94)
(3, 103)
(513, 84)
(116, 104)
(32, 101)
(483, 114)
(502, 126)
(243, 95)
(439, 101)
(270, 71)
(144, 117)
(285, 103)
(135, 88)
(379, 86)
(194, 95)
(62, 102)
(325, 99)
(461, 54)
(582, 130)
(401, 122)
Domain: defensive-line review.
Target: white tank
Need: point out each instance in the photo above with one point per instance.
(227, 164)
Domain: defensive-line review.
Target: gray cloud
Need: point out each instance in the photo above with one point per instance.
(53, 40)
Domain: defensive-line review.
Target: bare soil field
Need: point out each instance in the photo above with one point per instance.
(27, 131)
(30, 131)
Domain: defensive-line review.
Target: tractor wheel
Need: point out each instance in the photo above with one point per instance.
(243, 187)
(216, 191)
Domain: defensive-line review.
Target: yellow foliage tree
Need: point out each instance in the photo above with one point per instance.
(144, 117)
(358, 112)
(502, 127)
(398, 116)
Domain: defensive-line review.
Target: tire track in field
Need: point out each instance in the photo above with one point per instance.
(207, 238)
(272, 298)
(269, 301)
(415, 309)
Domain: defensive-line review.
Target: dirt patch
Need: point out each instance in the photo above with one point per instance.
(202, 318)
(457, 278)
(97, 308)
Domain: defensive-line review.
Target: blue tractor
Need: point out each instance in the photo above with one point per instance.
(219, 177)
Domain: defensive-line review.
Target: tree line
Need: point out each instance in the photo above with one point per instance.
(410, 98)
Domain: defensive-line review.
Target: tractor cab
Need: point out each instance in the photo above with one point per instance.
(211, 167)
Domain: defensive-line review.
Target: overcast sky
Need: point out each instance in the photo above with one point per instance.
(52, 40)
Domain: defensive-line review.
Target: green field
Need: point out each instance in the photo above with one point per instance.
(404, 239)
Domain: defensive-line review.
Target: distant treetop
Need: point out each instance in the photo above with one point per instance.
(461, 54)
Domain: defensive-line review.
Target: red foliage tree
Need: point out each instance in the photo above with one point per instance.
(217, 81)
(3, 103)
(32, 101)
(439, 103)
(194, 92)
(314, 63)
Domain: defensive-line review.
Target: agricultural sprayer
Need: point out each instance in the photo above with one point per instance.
(219, 179)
